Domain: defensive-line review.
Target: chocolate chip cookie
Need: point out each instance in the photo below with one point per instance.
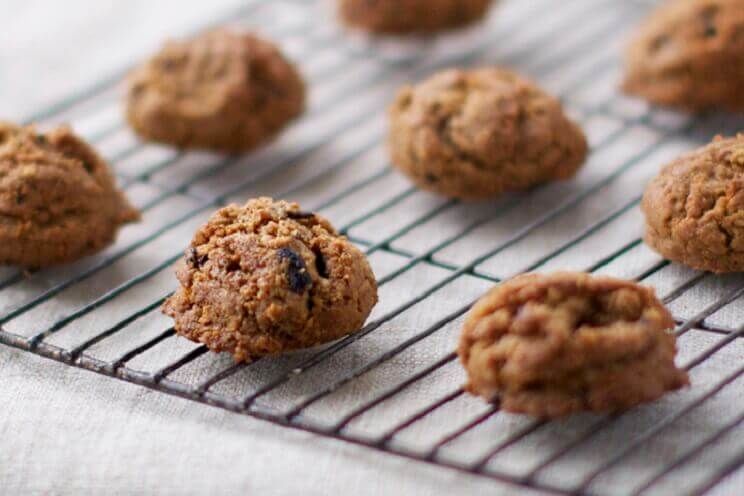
(551, 345)
(267, 277)
(690, 55)
(223, 91)
(695, 208)
(58, 199)
(475, 134)
(411, 16)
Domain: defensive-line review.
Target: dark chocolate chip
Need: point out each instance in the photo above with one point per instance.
(431, 178)
(320, 263)
(297, 276)
(299, 214)
(20, 198)
(41, 139)
(194, 259)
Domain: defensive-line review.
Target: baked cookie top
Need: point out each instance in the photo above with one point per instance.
(690, 54)
(550, 345)
(221, 90)
(266, 277)
(695, 208)
(477, 133)
(411, 16)
(58, 199)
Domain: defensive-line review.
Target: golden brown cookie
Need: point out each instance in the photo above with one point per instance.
(58, 199)
(690, 54)
(474, 134)
(222, 90)
(411, 16)
(266, 277)
(695, 208)
(551, 345)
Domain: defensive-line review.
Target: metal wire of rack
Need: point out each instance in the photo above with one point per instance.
(394, 386)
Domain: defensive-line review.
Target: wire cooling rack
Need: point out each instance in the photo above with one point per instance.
(395, 386)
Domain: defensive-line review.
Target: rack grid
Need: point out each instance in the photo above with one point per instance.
(395, 386)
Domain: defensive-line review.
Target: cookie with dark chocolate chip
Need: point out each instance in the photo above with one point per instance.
(411, 16)
(266, 277)
(694, 208)
(690, 55)
(58, 198)
(223, 91)
(555, 344)
(478, 133)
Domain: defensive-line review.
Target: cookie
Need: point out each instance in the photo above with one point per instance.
(267, 277)
(411, 16)
(474, 134)
(222, 91)
(690, 55)
(694, 208)
(552, 345)
(58, 199)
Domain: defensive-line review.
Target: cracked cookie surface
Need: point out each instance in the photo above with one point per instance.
(411, 16)
(266, 277)
(551, 345)
(474, 134)
(690, 55)
(694, 208)
(58, 199)
(222, 90)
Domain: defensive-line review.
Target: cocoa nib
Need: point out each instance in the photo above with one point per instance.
(297, 276)
(299, 214)
(320, 263)
(194, 259)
